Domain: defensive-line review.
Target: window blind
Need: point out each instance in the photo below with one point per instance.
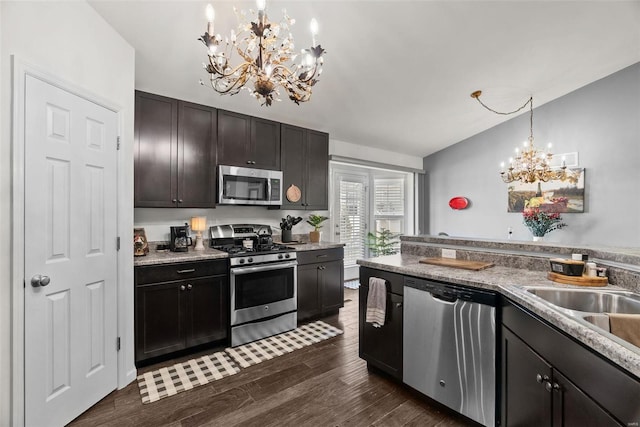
(389, 197)
(353, 219)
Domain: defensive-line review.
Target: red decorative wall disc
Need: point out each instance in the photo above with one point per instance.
(458, 203)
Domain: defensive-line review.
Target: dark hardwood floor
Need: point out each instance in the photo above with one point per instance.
(325, 384)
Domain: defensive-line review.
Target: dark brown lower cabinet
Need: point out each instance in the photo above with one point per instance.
(548, 379)
(382, 347)
(320, 282)
(178, 314)
(536, 394)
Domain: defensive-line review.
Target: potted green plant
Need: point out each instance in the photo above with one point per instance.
(383, 242)
(315, 221)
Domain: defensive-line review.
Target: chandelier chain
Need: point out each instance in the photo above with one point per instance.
(530, 165)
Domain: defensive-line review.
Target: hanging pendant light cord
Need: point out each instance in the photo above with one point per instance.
(529, 102)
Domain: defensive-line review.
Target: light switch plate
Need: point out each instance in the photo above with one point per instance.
(449, 253)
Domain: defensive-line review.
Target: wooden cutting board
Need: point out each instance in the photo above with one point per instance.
(457, 263)
(577, 280)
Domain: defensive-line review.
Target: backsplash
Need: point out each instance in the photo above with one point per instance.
(156, 221)
(623, 264)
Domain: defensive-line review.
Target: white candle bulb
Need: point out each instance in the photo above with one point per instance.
(211, 14)
(314, 31)
(261, 4)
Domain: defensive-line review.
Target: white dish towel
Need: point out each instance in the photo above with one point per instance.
(376, 302)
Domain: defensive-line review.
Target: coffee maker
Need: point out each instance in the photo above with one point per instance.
(180, 240)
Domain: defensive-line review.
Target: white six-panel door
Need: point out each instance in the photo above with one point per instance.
(70, 241)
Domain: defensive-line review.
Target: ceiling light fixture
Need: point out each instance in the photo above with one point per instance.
(267, 58)
(530, 164)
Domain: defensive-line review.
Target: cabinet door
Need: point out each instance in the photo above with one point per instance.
(159, 319)
(293, 163)
(526, 402)
(308, 291)
(571, 407)
(207, 310)
(155, 151)
(332, 286)
(317, 177)
(234, 139)
(265, 144)
(382, 347)
(197, 134)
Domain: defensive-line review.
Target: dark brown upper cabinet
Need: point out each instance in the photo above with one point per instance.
(175, 153)
(248, 141)
(305, 164)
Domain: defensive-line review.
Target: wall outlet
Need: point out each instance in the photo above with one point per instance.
(449, 253)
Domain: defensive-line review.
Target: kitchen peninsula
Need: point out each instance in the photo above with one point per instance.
(587, 368)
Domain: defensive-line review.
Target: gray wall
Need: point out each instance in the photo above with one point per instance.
(600, 121)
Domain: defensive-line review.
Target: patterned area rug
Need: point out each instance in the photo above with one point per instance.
(165, 382)
(352, 284)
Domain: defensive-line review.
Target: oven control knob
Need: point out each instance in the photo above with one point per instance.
(241, 261)
(287, 255)
(250, 260)
(280, 256)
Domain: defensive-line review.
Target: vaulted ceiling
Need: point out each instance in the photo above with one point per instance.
(397, 74)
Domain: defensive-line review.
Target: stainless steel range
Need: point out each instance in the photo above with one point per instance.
(263, 281)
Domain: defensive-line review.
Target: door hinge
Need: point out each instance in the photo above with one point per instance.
(118, 344)
(118, 243)
(118, 143)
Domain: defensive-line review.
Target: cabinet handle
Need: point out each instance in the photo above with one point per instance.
(179, 200)
(552, 387)
(174, 200)
(190, 270)
(322, 256)
(542, 378)
(248, 162)
(183, 287)
(189, 286)
(548, 386)
(398, 304)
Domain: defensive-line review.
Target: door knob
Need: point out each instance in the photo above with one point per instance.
(39, 280)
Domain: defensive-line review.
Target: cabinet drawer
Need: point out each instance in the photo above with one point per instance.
(184, 270)
(321, 255)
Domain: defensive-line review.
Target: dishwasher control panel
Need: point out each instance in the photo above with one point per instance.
(450, 292)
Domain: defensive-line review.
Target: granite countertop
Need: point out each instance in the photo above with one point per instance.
(509, 282)
(166, 257)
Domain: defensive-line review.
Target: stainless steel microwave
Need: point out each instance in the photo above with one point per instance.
(248, 186)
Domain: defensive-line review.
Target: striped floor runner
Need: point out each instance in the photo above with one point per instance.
(168, 381)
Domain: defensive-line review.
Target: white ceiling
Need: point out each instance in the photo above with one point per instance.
(397, 74)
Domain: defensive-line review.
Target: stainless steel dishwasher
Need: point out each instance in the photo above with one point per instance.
(449, 346)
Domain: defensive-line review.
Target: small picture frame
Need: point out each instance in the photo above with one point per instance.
(140, 244)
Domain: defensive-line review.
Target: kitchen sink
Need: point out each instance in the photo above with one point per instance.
(589, 307)
(590, 300)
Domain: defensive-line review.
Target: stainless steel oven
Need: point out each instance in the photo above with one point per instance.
(263, 297)
(263, 281)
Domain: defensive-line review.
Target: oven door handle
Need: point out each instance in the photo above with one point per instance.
(267, 267)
